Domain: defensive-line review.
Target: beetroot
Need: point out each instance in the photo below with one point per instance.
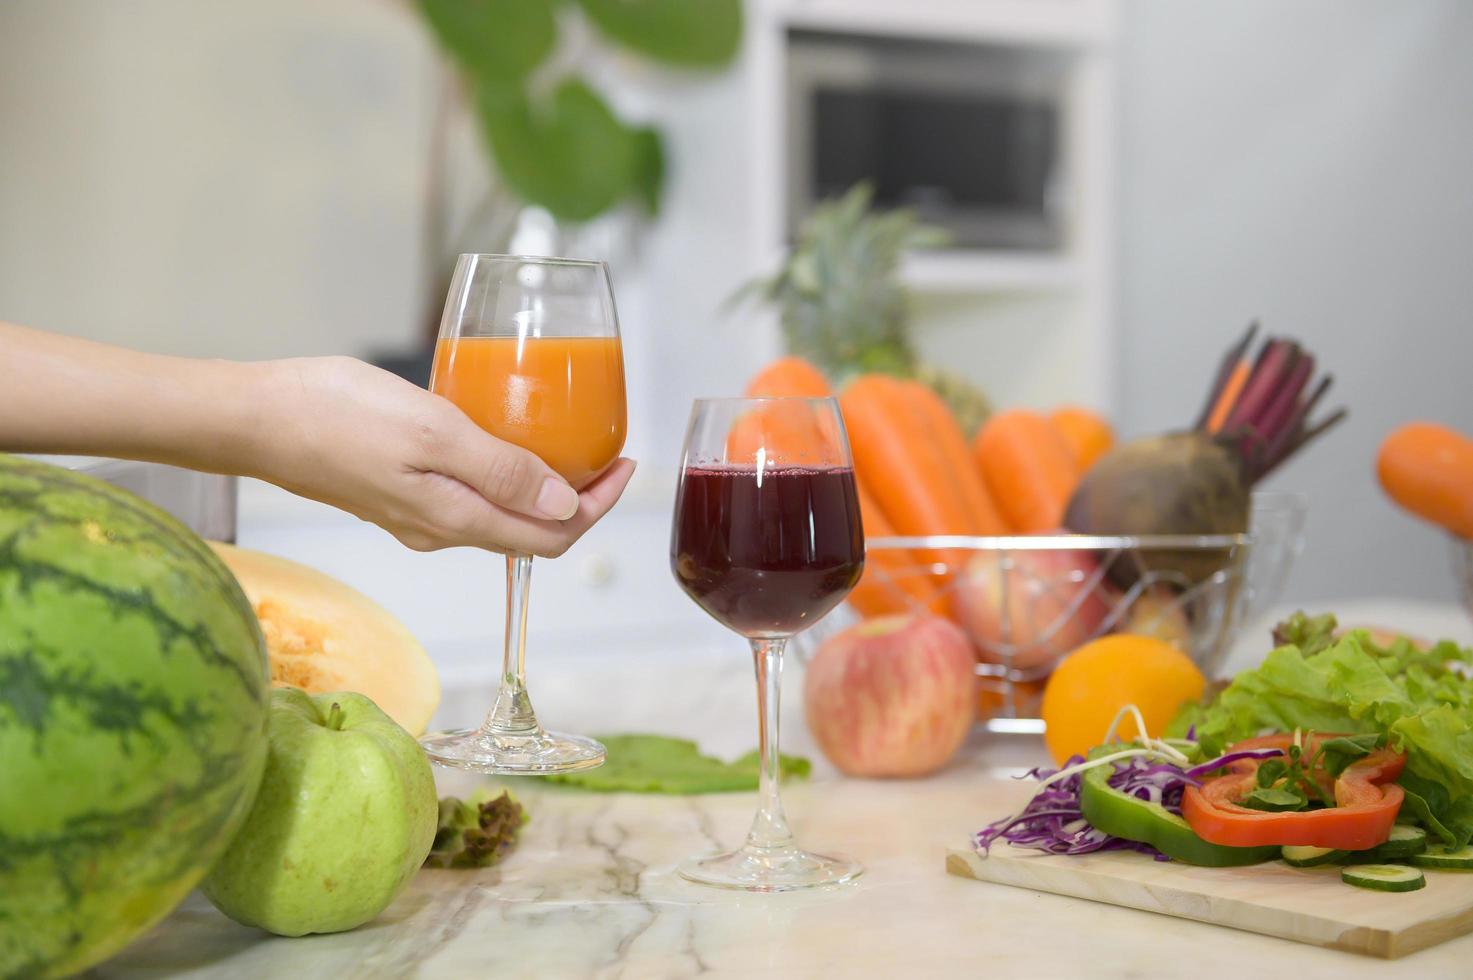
(1200, 481)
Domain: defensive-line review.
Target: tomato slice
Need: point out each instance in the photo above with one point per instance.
(1366, 803)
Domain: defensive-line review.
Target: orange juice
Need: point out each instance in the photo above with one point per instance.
(560, 397)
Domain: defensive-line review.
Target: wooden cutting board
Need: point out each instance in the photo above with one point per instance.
(1308, 905)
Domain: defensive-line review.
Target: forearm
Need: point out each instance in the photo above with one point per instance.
(65, 395)
(331, 428)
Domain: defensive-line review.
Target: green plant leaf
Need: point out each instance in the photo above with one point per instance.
(649, 177)
(571, 155)
(497, 42)
(689, 33)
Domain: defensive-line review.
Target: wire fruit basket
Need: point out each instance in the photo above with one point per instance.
(1027, 601)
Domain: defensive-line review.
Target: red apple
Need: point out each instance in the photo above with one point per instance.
(892, 696)
(1158, 612)
(1042, 606)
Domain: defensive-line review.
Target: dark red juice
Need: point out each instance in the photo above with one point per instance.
(767, 558)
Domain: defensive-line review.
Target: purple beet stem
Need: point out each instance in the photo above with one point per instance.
(1277, 360)
(1279, 449)
(1302, 438)
(1270, 422)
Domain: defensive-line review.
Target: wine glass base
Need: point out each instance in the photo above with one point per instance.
(539, 753)
(780, 869)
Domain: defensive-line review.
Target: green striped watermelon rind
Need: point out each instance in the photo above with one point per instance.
(133, 698)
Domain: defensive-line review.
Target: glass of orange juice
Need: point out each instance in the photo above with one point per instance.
(529, 349)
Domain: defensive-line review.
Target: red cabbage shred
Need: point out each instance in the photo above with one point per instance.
(1054, 823)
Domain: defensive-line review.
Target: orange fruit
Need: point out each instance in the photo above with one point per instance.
(1101, 677)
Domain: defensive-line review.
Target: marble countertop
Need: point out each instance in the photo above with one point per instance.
(591, 891)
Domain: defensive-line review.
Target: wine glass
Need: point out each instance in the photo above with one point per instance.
(529, 349)
(767, 539)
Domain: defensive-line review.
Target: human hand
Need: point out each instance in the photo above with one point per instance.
(348, 434)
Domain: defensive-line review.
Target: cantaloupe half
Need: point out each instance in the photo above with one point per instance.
(322, 635)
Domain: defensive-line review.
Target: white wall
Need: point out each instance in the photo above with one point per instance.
(1310, 163)
(234, 179)
(244, 180)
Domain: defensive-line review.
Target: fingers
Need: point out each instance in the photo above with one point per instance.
(548, 539)
(598, 498)
(508, 476)
(464, 517)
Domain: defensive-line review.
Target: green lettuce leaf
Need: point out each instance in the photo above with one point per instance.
(1310, 634)
(1439, 747)
(1436, 809)
(1414, 697)
(475, 833)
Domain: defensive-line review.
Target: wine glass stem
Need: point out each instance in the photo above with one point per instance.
(770, 826)
(512, 713)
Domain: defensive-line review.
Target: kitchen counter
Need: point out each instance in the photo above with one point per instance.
(590, 891)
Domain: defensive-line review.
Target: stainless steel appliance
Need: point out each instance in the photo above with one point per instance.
(971, 137)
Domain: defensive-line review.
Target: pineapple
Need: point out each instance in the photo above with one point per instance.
(967, 402)
(842, 305)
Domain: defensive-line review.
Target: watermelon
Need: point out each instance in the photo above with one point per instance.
(133, 698)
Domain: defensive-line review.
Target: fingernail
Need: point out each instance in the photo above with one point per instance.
(557, 501)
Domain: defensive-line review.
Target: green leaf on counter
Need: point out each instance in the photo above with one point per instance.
(475, 833)
(660, 764)
(688, 33)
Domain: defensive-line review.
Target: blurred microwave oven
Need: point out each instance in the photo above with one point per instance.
(969, 137)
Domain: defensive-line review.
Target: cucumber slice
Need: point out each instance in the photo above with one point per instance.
(1403, 843)
(1445, 860)
(1309, 857)
(1384, 877)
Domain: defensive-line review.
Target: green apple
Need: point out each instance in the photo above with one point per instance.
(344, 818)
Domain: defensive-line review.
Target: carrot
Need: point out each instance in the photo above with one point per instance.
(787, 433)
(893, 580)
(1089, 436)
(789, 377)
(1428, 470)
(904, 471)
(899, 463)
(1230, 392)
(942, 428)
(1028, 467)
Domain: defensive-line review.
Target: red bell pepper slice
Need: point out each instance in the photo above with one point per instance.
(1366, 803)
